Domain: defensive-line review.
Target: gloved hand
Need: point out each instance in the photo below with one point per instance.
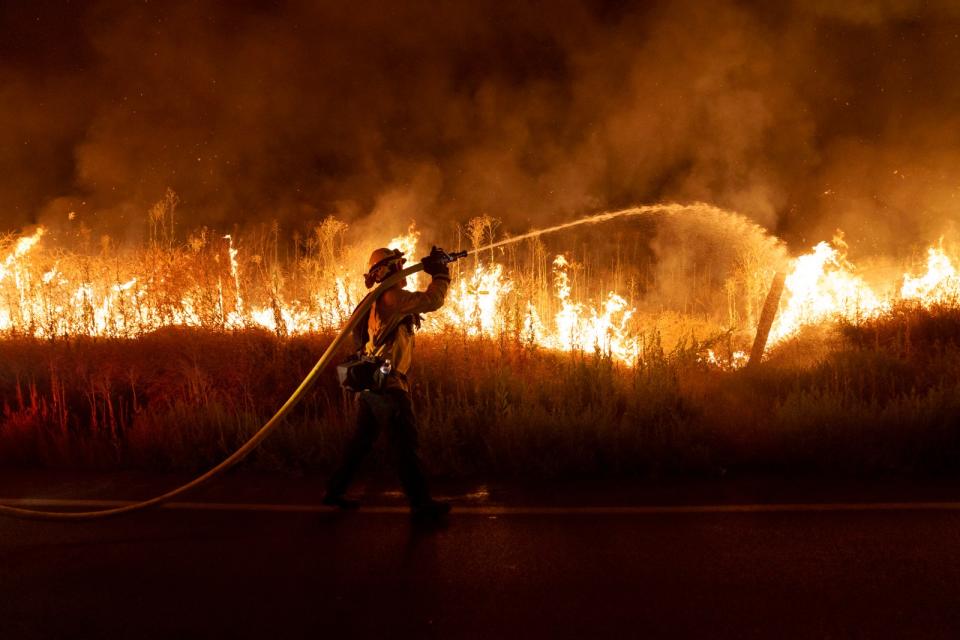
(436, 263)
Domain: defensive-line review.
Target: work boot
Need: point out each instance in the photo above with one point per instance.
(340, 502)
(429, 509)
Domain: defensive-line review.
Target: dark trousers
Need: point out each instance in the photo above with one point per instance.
(392, 411)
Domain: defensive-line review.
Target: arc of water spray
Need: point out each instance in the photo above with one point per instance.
(734, 226)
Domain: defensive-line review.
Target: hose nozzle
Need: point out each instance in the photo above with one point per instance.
(453, 256)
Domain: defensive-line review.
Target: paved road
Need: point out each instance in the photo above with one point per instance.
(249, 573)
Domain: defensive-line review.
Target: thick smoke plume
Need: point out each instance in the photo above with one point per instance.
(806, 116)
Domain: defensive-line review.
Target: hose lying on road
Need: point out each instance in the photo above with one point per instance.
(249, 445)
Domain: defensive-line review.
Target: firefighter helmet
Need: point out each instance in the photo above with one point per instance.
(382, 263)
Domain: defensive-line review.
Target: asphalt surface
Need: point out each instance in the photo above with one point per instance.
(533, 572)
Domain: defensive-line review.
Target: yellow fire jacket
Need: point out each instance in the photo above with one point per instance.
(390, 325)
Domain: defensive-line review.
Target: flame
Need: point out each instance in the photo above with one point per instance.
(577, 326)
(473, 303)
(939, 285)
(63, 299)
(236, 316)
(407, 243)
(48, 291)
(737, 359)
(823, 286)
(21, 247)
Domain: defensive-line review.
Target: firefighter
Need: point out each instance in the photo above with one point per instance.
(388, 335)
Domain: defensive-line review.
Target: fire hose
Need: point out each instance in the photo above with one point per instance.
(255, 440)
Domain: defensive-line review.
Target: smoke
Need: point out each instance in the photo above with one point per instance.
(805, 117)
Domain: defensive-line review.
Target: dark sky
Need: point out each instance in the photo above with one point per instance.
(805, 116)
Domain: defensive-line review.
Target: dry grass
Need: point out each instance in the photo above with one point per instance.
(883, 396)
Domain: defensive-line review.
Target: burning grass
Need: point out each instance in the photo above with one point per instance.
(882, 395)
(594, 295)
(614, 357)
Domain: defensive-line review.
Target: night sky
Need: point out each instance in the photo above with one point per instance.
(805, 116)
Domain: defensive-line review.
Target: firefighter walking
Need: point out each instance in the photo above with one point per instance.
(387, 339)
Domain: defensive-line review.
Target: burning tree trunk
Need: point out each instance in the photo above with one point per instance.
(767, 316)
